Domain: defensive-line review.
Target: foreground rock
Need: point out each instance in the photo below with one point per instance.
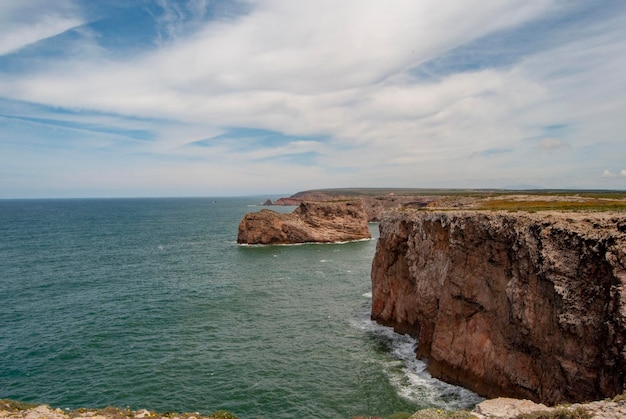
(318, 222)
(509, 304)
(501, 408)
(15, 410)
(504, 408)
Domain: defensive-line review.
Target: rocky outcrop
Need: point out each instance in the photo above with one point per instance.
(527, 305)
(374, 205)
(320, 222)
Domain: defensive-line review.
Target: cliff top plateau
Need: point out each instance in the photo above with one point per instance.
(378, 200)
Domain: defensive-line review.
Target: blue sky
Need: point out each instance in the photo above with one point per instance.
(214, 98)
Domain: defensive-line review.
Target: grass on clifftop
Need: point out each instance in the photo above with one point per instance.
(555, 205)
(488, 199)
(579, 413)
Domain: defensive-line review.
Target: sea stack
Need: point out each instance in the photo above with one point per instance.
(311, 222)
(526, 305)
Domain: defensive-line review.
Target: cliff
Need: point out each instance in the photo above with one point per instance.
(321, 222)
(528, 305)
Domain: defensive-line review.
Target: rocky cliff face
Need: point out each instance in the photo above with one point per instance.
(509, 304)
(322, 222)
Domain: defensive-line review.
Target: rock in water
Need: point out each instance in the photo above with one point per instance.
(320, 222)
(526, 305)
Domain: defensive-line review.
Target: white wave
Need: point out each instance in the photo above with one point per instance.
(409, 375)
(302, 244)
(368, 294)
(420, 385)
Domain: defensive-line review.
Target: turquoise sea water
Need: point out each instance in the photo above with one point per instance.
(150, 303)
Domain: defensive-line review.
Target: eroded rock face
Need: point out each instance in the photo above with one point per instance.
(321, 222)
(509, 304)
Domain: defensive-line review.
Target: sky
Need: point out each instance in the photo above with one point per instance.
(124, 98)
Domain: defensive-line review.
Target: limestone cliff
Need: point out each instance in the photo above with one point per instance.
(529, 305)
(322, 222)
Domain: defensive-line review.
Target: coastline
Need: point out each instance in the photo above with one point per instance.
(103, 412)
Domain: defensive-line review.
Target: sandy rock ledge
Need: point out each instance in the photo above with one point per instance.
(502, 407)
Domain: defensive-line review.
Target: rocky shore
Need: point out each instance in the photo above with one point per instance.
(15, 410)
(501, 408)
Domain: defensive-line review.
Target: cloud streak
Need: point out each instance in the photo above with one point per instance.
(25, 23)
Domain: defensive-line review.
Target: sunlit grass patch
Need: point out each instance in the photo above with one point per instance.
(15, 405)
(578, 413)
(593, 204)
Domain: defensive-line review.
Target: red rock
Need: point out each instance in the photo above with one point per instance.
(509, 304)
(323, 222)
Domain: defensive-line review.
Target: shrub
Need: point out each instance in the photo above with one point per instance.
(222, 414)
(442, 414)
(15, 405)
(578, 413)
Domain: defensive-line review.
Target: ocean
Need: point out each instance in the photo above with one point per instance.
(151, 303)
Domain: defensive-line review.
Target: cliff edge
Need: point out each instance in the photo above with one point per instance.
(527, 305)
(319, 222)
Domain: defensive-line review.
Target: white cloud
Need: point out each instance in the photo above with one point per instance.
(339, 73)
(312, 69)
(282, 47)
(608, 174)
(25, 22)
(622, 173)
